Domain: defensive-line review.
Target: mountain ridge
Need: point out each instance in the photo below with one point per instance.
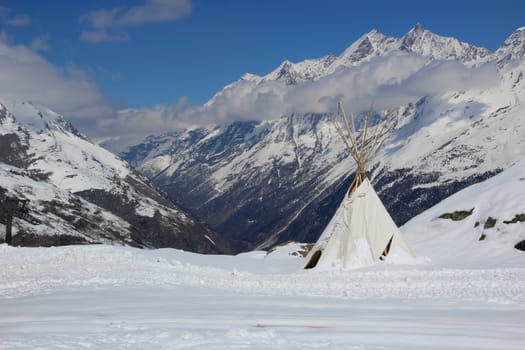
(83, 193)
(281, 179)
(418, 40)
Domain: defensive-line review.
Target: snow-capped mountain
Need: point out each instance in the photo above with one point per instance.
(418, 40)
(512, 48)
(247, 178)
(423, 42)
(266, 182)
(83, 193)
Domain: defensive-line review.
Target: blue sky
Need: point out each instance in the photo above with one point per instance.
(94, 58)
(217, 41)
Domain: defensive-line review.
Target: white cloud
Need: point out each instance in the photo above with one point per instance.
(19, 20)
(26, 75)
(130, 126)
(148, 120)
(103, 22)
(102, 36)
(392, 80)
(441, 76)
(13, 19)
(40, 43)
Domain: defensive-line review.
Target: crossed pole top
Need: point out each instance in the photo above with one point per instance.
(360, 145)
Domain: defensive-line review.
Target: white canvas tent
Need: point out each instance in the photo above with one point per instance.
(361, 232)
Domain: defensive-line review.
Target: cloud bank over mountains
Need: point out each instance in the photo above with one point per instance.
(25, 74)
(392, 79)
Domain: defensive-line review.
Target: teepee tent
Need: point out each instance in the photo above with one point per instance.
(361, 232)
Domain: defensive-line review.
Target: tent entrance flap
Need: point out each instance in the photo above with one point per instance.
(313, 260)
(387, 248)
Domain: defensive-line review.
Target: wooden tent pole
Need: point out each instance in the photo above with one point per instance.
(351, 134)
(367, 123)
(340, 132)
(386, 126)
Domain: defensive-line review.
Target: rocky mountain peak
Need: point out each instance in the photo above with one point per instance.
(426, 43)
(368, 45)
(285, 73)
(418, 27)
(414, 37)
(250, 77)
(512, 48)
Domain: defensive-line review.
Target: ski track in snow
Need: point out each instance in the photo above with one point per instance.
(101, 297)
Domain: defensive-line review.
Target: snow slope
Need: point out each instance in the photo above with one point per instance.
(78, 189)
(475, 239)
(59, 148)
(459, 293)
(64, 217)
(101, 297)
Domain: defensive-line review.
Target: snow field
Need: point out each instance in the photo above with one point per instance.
(100, 266)
(197, 318)
(101, 297)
